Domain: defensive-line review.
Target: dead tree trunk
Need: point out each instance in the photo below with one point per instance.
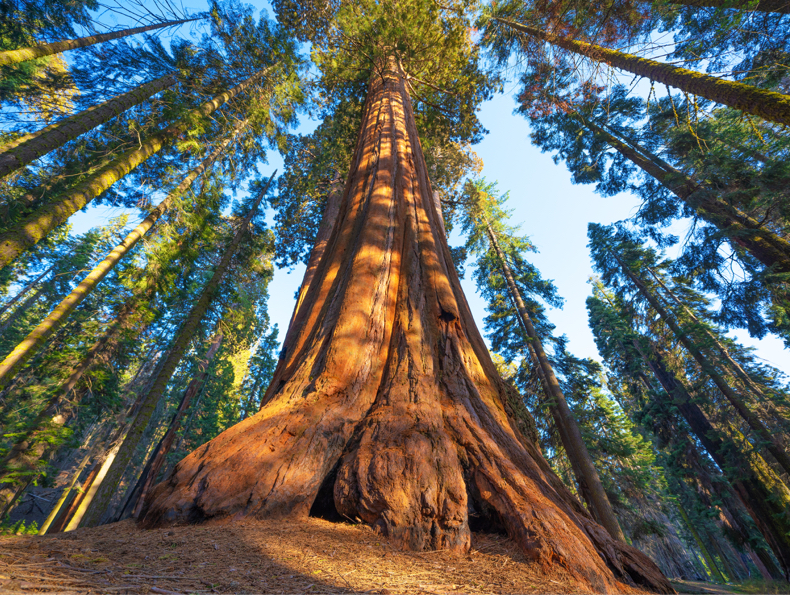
(386, 397)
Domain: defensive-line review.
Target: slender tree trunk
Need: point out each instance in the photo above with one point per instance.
(779, 6)
(22, 308)
(583, 467)
(30, 147)
(29, 287)
(36, 338)
(100, 503)
(62, 521)
(155, 464)
(752, 482)
(743, 376)
(64, 495)
(754, 422)
(713, 568)
(769, 105)
(30, 446)
(48, 49)
(385, 400)
(770, 249)
(56, 211)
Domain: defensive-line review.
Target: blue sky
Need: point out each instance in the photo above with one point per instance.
(550, 209)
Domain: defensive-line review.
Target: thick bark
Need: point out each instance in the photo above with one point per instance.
(183, 338)
(766, 246)
(57, 210)
(582, 464)
(772, 445)
(778, 6)
(157, 460)
(385, 400)
(30, 147)
(48, 49)
(769, 105)
(36, 338)
(761, 494)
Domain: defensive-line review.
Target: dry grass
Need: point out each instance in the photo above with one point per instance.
(311, 556)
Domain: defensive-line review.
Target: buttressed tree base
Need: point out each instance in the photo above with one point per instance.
(385, 398)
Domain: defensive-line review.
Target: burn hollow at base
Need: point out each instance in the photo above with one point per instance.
(483, 518)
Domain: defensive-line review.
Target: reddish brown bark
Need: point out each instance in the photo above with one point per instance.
(385, 394)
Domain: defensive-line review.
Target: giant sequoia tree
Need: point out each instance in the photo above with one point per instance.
(385, 404)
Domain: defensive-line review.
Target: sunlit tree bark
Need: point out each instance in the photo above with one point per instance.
(385, 404)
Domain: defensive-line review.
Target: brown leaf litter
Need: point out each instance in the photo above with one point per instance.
(309, 556)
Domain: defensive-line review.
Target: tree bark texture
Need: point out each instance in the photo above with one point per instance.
(30, 147)
(183, 338)
(769, 105)
(36, 338)
(56, 211)
(385, 400)
(581, 461)
(766, 246)
(48, 49)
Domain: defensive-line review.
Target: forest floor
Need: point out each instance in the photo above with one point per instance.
(312, 556)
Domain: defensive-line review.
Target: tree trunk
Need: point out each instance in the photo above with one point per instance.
(30, 147)
(779, 6)
(22, 293)
(751, 481)
(30, 446)
(64, 495)
(385, 403)
(155, 464)
(753, 421)
(36, 338)
(766, 246)
(769, 105)
(713, 569)
(184, 336)
(47, 49)
(56, 211)
(23, 307)
(325, 229)
(62, 521)
(582, 464)
(742, 375)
